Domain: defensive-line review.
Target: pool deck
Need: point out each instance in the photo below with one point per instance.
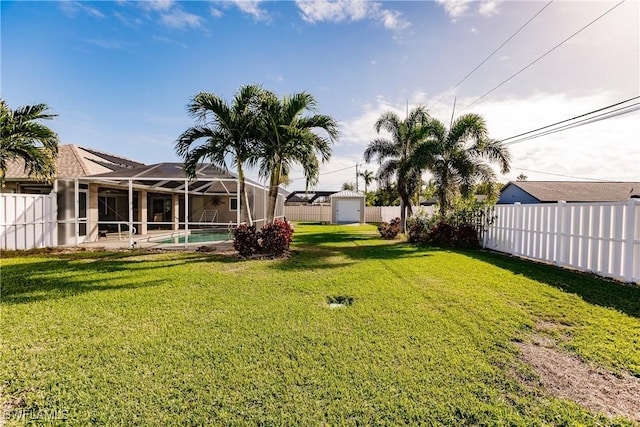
(112, 242)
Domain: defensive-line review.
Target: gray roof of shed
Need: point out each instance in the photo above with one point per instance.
(575, 191)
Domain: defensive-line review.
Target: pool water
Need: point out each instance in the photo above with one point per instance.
(198, 237)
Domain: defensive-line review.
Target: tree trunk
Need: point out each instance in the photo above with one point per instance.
(243, 203)
(274, 186)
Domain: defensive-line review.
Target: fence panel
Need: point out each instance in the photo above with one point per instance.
(323, 213)
(603, 238)
(308, 213)
(28, 221)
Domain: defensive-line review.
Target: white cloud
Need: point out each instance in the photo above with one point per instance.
(216, 13)
(177, 18)
(350, 11)
(157, 5)
(474, 30)
(458, 8)
(252, 8)
(71, 8)
(488, 8)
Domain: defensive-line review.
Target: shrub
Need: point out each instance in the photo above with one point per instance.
(467, 236)
(276, 237)
(245, 240)
(418, 228)
(389, 230)
(442, 234)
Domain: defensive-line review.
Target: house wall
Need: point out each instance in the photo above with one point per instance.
(513, 194)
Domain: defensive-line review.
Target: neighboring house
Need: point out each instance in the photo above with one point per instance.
(99, 193)
(527, 192)
(305, 198)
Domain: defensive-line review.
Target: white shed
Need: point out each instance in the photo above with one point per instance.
(347, 207)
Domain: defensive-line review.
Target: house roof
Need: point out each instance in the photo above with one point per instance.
(209, 179)
(74, 161)
(575, 191)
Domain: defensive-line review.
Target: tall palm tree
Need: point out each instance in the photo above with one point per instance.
(225, 130)
(22, 137)
(460, 157)
(394, 155)
(288, 137)
(368, 178)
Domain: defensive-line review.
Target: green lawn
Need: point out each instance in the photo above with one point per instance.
(198, 339)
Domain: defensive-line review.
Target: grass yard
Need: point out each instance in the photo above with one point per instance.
(196, 339)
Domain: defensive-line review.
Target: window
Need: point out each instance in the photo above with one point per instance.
(233, 204)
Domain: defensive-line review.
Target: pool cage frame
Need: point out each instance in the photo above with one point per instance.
(85, 218)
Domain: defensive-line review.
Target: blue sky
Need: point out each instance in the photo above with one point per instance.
(119, 73)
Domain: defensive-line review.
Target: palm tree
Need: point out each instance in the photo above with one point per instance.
(226, 130)
(287, 138)
(22, 137)
(394, 155)
(459, 157)
(368, 178)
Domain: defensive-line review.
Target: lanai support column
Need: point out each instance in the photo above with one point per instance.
(130, 212)
(76, 210)
(142, 211)
(186, 214)
(175, 210)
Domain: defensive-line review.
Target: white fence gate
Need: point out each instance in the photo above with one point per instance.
(602, 238)
(28, 221)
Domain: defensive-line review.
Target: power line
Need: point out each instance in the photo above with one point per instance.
(590, 113)
(604, 116)
(544, 54)
(490, 55)
(565, 176)
(326, 173)
(572, 118)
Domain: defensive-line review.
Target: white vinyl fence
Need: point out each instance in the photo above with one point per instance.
(28, 221)
(321, 213)
(602, 238)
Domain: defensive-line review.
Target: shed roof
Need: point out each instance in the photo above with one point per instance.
(576, 191)
(346, 194)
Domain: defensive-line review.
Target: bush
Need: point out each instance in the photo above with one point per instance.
(467, 236)
(390, 230)
(442, 234)
(245, 240)
(276, 237)
(418, 228)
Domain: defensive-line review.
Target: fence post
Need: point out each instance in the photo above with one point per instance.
(516, 224)
(629, 235)
(560, 243)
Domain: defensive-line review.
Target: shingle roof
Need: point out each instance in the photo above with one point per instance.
(74, 161)
(572, 191)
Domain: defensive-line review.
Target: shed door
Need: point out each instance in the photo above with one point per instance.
(348, 210)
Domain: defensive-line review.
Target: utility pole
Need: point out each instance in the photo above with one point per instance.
(356, 177)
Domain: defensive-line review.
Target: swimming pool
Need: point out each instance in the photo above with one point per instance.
(197, 237)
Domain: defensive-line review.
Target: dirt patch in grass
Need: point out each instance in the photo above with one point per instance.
(567, 376)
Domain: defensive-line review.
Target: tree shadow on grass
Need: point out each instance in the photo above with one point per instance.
(592, 289)
(331, 250)
(61, 275)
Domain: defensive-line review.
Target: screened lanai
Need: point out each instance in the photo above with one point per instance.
(155, 200)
